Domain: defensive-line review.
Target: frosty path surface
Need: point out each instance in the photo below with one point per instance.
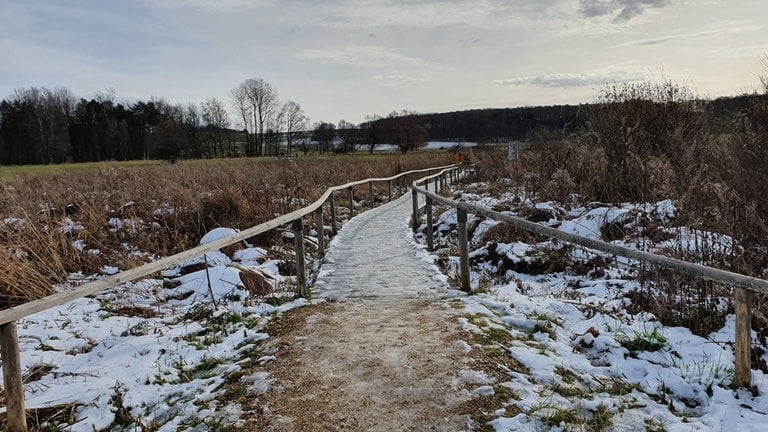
(373, 256)
(383, 353)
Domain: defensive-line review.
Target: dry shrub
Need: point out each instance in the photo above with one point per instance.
(492, 162)
(679, 300)
(760, 316)
(255, 283)
(587, 167)
(539, 261)
(21, 282)
(30, 262)
(507, 233)
(560, 186)
(226, 208)
(644, 142)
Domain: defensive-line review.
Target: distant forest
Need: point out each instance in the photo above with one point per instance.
(45, 126)
(492, 124)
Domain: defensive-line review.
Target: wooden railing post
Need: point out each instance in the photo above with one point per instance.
(320, 232)
(437, 184)
(370, 193)
(389, 190)
(430, 239)
(298, 242)
(415, 196)
(743, 367)
(332, 211)
(351, 203)
(461, 215)
(13, 384)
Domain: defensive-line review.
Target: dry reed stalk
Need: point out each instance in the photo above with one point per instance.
(155, 210)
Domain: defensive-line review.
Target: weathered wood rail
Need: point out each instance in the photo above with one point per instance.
(9, 343)
(743, 285)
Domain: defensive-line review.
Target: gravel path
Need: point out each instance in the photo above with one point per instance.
(383, 353)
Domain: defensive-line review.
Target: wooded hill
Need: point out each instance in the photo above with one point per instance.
(493, 124)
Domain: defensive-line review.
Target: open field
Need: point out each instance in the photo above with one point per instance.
(8, 172)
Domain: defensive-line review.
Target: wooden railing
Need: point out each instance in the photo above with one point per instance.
(9, 343)
(743, 285)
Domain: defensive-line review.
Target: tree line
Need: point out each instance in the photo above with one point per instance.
(44, 126)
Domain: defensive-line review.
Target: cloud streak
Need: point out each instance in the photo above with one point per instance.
(372, 57)
(397, 78)
(224, 6)
(369, 14)
(563, 80)
(730, 28)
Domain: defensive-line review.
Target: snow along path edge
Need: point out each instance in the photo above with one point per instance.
(382, 350)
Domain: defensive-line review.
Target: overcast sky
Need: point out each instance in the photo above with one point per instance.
(344, 59)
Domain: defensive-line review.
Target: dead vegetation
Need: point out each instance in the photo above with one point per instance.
(645, 143)
(57, 224)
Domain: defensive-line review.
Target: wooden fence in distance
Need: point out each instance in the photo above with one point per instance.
(743, 285)
(9, 342)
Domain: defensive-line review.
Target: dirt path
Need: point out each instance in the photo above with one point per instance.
(367, 365)
(383, 354)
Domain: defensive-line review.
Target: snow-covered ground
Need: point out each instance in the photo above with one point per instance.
(158, 353)
(354, 266)
(587, 363)
(155, 353)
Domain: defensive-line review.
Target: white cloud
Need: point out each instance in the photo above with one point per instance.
(208, 5)
(417, 14)
(364, 56)
(728, 28)
(397, 78)
(738, 52)
(588, 78)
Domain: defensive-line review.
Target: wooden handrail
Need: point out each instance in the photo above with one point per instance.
(23, 310)
(9, 342)
(692, 269)
(744, 285)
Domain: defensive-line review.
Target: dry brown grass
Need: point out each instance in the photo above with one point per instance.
(157, 210)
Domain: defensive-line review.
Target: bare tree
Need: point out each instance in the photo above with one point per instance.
(107, 95)
(263, 100)
(241, 104)
(216, 122)
(371, 129)
(294, 121)
(191, 123)
(50, 110)
(323, 135)
(350, 136)
(404, 131)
